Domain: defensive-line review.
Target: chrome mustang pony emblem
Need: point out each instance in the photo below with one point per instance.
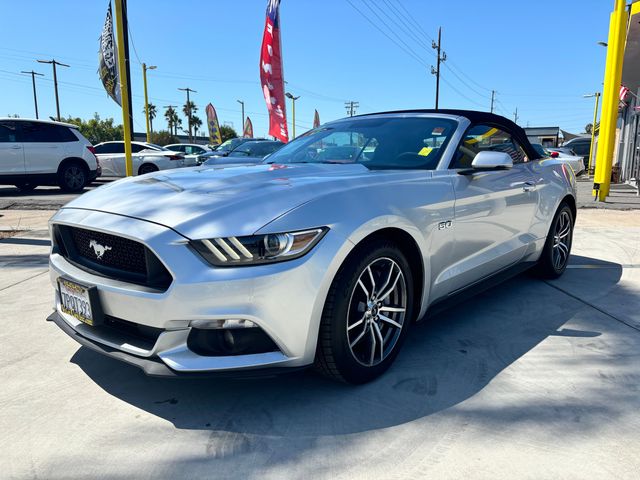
(98, 249)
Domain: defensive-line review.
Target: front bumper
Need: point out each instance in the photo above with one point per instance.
(285, 300)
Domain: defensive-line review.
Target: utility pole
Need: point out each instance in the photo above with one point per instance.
(188, 90)
(146, 98)
(33, 80)
(242, 124)
(515, 116)
(293, 111)
(351, 107)
(442, 57)
(54, 62)
(174, 127)
(493, 98)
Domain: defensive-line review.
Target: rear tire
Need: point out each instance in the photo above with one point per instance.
(147, 168)
(367, 314)
(26, 187)
(73, 177)
(557, 249)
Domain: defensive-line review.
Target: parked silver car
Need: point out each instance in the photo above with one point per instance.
(325, 256)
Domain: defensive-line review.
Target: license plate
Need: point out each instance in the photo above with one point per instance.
(79, 301)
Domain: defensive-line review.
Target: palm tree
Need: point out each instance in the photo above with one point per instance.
(197, 123)
(152, 114)
(173, 121)
(189, 109)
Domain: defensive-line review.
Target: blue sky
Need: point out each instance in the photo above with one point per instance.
(540, 56)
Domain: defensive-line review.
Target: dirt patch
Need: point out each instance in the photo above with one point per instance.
(9, 233)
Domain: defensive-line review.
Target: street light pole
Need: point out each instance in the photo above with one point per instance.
(55, 81)
(593, 131)
(293, 111)
(188, 90)
(242, 124)
(146, 98)
(33, 80)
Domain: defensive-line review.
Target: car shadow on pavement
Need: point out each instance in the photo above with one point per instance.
(446, 360)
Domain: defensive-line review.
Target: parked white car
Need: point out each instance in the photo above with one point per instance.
(43, 152)
(576, 162)
(192, 152)
(146, 157)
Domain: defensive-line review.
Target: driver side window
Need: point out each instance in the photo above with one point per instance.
(486, 137)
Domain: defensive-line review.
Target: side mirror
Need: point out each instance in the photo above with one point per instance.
(488, 160)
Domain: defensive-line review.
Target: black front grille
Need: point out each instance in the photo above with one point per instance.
(116, 252)
(111, 256)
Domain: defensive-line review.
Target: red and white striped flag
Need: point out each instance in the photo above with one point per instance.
(271, 73)
(623, 93)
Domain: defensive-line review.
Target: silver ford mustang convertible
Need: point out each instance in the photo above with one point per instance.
(324, 255)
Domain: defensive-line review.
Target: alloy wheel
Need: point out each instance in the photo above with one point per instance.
(561, 241)
(74, 177)
(376, 312)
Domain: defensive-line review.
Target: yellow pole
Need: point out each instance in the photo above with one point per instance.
(610, 100)
(146, 100)
(124, 88)
(593, 135)
(293, 111)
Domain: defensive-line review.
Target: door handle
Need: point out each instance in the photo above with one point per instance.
(529, 186)
(16, 147)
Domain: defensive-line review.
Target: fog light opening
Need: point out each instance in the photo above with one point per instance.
(228, 337)
(231, 323)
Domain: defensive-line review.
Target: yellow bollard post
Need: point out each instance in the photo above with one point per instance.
(124, 87)
(610, 99)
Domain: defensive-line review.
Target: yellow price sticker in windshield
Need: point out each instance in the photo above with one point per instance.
(425, 151)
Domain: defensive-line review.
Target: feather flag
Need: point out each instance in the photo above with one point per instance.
(108, 59)
(316, 120)
(215, 137)
(248, 129)
(271, 73)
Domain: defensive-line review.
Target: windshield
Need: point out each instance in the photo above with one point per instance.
(377, 143)
(229, 145)
(255, 149)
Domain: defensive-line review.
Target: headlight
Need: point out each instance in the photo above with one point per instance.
(258, 249)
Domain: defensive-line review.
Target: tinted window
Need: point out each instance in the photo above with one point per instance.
(377, 143)
(485, 137)
(135, 148)
(8, 132)
(45, 132)
(111, 148)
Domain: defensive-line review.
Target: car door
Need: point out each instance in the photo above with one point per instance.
(43, 150)
(493, 210)
(107, 153)
(11, 149)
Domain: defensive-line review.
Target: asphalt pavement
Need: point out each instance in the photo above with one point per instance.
(530, 379)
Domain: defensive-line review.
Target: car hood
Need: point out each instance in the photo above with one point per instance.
(206, 202)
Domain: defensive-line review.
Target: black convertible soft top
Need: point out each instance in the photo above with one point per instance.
(484, 118)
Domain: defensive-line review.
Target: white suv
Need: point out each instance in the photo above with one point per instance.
(42, 152)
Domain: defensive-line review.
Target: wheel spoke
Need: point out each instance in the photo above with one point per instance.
(379, 335)
(388, 320)
(373, 346)
(354, 325)
(386, 283)
(390, 289)
(386, 308)
(366, 292)
(358, 338)
(373, 282)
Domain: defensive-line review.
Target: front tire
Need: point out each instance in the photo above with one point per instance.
(73, 177)
(367, 314)
(557, 248)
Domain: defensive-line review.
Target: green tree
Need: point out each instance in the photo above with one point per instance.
(189, 109)
(97, 130)
(163, 137)
(152, 114)
(227, 132)
(197, 123)
(173, 121)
